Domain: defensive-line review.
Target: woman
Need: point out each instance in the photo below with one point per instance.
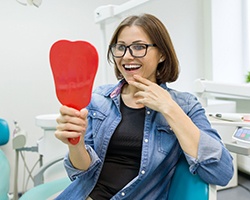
(133, 133)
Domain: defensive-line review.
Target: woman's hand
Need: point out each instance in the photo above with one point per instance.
(151, 94)
(71, 124)
(156, 98)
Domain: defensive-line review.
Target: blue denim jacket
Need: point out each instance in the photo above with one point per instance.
(160, 149)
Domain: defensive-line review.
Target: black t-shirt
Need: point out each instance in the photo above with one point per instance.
(123, 156)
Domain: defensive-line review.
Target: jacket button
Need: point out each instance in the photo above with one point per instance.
(123, 194)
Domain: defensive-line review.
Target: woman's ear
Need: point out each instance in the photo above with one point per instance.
(162, 59)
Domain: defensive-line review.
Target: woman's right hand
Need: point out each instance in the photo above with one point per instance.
(71, 124)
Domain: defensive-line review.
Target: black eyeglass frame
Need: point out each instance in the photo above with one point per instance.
(130, 50)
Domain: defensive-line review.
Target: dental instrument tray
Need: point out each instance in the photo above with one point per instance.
(242, 136)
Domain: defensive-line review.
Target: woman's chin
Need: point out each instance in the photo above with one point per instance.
(130, 78)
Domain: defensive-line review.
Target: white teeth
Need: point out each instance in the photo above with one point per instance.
(131, 66)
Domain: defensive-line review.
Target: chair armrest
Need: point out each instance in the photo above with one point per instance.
(39, 178)
(46, 190)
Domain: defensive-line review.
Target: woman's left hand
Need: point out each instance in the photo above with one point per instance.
(152, 95)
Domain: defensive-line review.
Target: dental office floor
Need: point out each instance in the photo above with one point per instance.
(241, 192)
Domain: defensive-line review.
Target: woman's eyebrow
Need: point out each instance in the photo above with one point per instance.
(121, 42)
(138, 41)
(134, 42)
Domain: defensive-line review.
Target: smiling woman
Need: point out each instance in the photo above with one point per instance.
(167, 60)
(137, 120)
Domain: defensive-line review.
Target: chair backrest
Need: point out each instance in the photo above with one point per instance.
(4, 163)
(186, 186)
(4, 132)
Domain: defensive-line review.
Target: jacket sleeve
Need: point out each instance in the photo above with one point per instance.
(214, 163)
(73, 173)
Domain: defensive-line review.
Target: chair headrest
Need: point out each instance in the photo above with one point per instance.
(4, 132)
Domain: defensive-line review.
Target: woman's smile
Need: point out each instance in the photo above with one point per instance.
(131, 67)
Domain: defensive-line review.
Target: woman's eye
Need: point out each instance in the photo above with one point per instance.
(120, 47)
(138, 47)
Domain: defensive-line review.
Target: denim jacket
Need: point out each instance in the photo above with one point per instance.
(160, 148)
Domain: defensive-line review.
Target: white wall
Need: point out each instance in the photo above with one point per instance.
(27, 33)
(227, 34)
(26, 84)
(226, 47)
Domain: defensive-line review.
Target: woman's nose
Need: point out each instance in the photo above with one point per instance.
(128, 54)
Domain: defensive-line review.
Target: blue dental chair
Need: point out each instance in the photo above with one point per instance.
(46, 190)
(4, 163)
(184, 186)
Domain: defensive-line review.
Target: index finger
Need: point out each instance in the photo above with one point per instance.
(65, 110)
(142, 80)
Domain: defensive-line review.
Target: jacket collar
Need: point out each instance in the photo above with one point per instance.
(115, 90)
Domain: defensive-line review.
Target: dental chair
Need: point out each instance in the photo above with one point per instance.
(184, 186)
(4, 163)
(46, 190)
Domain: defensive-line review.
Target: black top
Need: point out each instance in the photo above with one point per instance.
(123, 156)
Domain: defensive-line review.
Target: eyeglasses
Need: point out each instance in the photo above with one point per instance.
(136, 50)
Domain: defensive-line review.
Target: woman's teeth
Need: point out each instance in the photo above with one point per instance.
(132, 67)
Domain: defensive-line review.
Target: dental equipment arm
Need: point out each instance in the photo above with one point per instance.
(203, 87)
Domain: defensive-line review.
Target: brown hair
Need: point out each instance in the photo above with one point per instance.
(168, 70)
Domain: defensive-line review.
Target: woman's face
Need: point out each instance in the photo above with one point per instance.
(129, 65)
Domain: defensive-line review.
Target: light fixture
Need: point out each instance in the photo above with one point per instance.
(103, 13)
(36, 3)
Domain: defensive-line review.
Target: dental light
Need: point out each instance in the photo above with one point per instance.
(103, 13)
(36, 3)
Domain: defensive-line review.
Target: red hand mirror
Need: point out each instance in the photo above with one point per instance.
(74, 65)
